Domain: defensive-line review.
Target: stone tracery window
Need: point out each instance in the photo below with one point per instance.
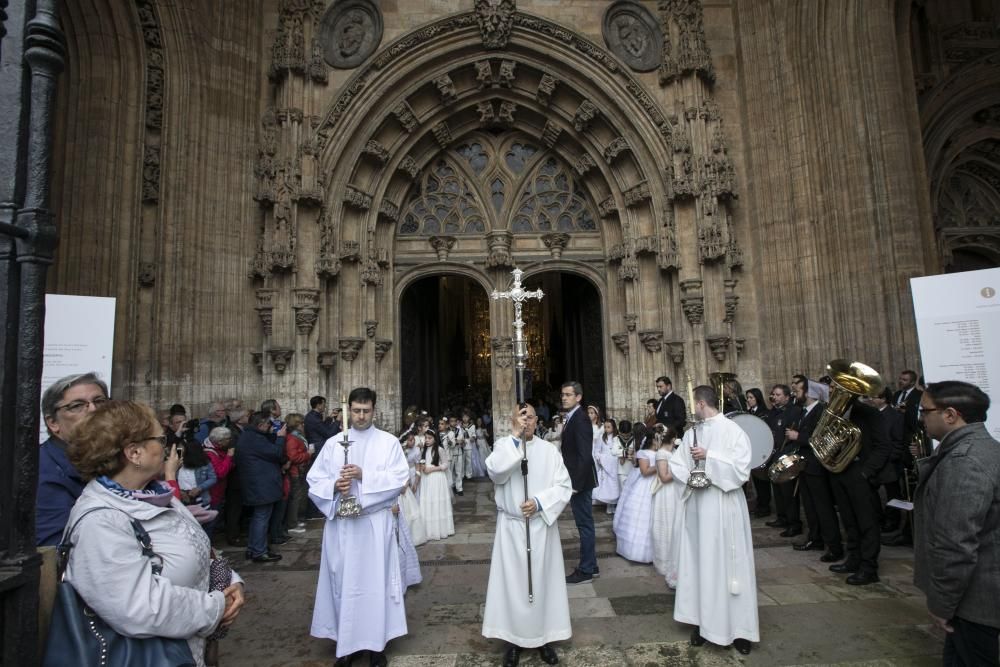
(492, 182)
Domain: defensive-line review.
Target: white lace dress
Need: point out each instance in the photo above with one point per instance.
(633, 524)
(666, 498)
(435, 498)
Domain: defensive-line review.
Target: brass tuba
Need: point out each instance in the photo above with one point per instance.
(719, 381)
(836, 440)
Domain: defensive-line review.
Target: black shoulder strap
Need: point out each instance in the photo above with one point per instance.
(141, 536)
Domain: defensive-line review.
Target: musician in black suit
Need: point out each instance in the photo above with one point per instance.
(855, 489)
(907, 402)
(814, 482)
(889, 476)
(670, 408)
(578, 456)
(784, 414)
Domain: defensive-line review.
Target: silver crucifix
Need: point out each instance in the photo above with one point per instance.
(518, 295)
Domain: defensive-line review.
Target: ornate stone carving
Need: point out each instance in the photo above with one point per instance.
(719, 346)
(621, 342)
(151, 174)
(499, 242)
(350, 32)
(371, 272)
(371, 326)
(711, 240)
(550, 133)
(652, 339)
(617, 146)
(556, 242)
(505, 115)
(306, 305)
(442, 246)
(583, 164)
(628, 270)
(487, 116)
(675, 349)
(409, 167)
(731, 299)
(633, 34)
(691, 54)
(317, 68)
(147, 274)
(382, 347)
(327, 359)
(739, 344)
(636, 195)
(376, 150)
(607, 206)
(546, 87)
(495, 18)
(630, 321)
(350, 347)
(505, 77)
(356, 198)
(404, 114)
(265, 308)
(692, 301)
(484, 74)
(350, 251)
(388, 211)
(258, 360)
(280, 358)
(446, 89)
(584, 115)
(442, 133)
(503, 351)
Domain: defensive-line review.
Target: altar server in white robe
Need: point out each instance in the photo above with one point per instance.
(716, 583)
(509, 615)
(359, 596)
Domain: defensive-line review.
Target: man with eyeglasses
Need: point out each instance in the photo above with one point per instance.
(956, 523)
(64, 405)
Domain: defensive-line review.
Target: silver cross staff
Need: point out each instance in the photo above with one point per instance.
(519, 295)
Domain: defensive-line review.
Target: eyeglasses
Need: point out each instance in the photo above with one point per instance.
(924, 410)
(79, 406)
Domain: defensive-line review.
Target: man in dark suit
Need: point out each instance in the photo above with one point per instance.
(907, 402)
(670, 408)
(578, 456)
(892, 470)
(786, 414)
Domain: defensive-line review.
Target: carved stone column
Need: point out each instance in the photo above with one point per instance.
(306, 305)
(265, 309)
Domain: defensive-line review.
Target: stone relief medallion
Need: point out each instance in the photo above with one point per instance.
(350, 32)
(633, 34)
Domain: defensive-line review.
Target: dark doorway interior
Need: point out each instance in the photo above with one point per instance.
(963, 259)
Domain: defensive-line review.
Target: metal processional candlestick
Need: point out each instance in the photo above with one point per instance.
(349, 507)
(518, 295)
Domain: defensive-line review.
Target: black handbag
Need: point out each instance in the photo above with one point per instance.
(78, 636)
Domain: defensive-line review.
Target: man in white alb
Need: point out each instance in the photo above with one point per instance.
(359, 596)
(716, 583)
(509, 615)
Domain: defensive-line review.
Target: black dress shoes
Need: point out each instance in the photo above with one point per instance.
(845, 567)
(831, 557)
(343, 661)
(267, 558)
(777, 523)
(512, 656)
(548, 654)
(809, 545)
(862, 578)
(742, 645)
(696, 638)
(378, 659)
(790, 532)
(899, 540)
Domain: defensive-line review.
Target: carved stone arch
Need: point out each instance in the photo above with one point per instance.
(410, 276)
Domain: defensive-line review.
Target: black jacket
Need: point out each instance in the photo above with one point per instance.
(318, 429)
(578, 451)
(671, 411)
(779, 419)
(892, 421)
(876, 447)
(807, 426)
(259, 457)
(911, 414)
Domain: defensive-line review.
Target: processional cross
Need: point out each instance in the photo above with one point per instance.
(518, 295)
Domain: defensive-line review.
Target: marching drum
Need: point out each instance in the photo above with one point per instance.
(761, 438)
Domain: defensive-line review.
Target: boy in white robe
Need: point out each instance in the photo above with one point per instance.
(359, 595)
(716, 582)
(509, 615)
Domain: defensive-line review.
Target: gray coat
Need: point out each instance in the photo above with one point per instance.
(957, 527)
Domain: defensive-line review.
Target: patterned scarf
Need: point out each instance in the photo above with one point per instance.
(154, 493)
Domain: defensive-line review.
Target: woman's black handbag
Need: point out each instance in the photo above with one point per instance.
(78, 636)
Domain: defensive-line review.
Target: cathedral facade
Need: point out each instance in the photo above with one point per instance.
(744, 185)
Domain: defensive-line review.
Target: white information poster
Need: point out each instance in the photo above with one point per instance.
(958, 325)
(79, 338)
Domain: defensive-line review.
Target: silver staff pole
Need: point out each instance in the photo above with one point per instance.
(518, 295)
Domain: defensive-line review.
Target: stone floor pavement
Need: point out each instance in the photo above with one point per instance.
(808, 616)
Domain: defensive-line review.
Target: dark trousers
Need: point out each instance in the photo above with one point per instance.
(971, 644)
(296, 496)
(787, 504)
(892, 517)
(763, 489)
(817, 498)
(858, 505)
(257, 543)
(276, 526)
(582, 505)
(233, 509)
